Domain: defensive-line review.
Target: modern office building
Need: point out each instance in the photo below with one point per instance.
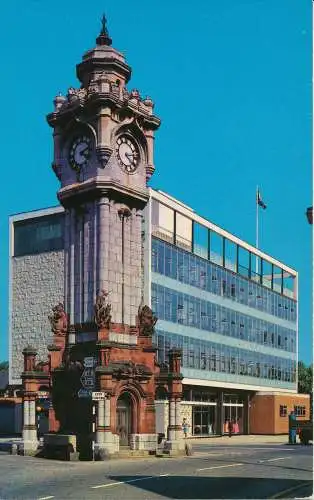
(231, 308)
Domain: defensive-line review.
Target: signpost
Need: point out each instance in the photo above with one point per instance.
(89, 362)
(87, 378)
(84, 393)
(98, 396)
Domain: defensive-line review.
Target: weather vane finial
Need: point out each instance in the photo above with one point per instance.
(104, 30)
(104, 38)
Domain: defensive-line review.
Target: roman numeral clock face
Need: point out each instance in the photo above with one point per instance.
(127, 153)
(80, 153)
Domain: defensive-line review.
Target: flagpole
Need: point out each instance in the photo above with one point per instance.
(257, 205)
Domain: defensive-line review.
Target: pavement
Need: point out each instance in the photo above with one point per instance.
(231, 468)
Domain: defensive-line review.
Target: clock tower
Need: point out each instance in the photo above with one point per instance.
(103, 157)
(102, 332)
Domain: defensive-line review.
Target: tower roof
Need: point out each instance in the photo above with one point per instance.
(102, 59)
(104, 38)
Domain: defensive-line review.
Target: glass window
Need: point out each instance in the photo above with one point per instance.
(283, 411)
(277, 279)
(183, 232)
(299, 411)
(288, 284)
(168, 260)
(267, 274)
(216, 248)
(256, 268)
(154, 254)
(163, 221)
(43, 234)
(244, 262)
(200, 234)
(230, 255)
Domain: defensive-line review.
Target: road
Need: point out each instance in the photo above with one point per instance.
(237, 471)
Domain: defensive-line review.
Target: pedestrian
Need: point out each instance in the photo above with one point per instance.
(230, 427)
(185, 427)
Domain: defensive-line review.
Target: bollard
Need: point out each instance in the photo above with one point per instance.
(14, 449)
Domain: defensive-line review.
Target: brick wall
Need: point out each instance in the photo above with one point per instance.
(37, 285)
(265, 412)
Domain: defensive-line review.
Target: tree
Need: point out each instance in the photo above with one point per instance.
(305, 378)
(4, 365)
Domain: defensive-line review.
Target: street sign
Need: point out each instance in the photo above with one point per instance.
(84, 393)
(87, 381)
(89, 362)
(88, 372)
(98, 396)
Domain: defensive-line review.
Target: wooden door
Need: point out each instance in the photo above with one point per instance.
(124, 420)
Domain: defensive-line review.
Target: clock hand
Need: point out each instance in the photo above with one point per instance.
(84, 152)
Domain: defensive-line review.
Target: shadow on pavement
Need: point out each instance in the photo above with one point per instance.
(255, 462)
(189, 487)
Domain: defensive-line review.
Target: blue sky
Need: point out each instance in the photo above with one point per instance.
(231, 80)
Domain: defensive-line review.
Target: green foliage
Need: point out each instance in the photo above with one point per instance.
(305, 378)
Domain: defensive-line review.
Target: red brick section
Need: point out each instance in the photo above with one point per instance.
(138, 379)
(265, 412)
(121, 368)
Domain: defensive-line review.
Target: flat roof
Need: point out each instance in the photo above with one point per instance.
(183, 209)
(32, 214)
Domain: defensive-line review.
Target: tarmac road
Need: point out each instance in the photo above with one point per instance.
(236, 470)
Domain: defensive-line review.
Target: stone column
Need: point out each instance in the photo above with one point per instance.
(25, 419)
(67, 256)
(30, 441)
(178, 419)
(104, 438)
(103, 243)
(88, 304)
(100, 423)
(172, 421)
(107, 419)
(32, 421)
(71, 267)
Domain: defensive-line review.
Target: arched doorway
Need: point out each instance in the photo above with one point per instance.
(124, 418)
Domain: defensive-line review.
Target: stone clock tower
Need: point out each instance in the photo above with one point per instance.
(103, 332)
(103, 158)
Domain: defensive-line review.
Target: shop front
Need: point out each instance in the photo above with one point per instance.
(211, 412)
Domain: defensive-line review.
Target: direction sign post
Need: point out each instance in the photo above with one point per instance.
(98, 396)
(87, 378)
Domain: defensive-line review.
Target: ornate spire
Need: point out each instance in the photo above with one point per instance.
(103, 38)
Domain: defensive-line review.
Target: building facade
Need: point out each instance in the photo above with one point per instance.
(229, 307)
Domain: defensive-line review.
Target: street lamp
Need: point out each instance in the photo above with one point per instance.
(309, 215)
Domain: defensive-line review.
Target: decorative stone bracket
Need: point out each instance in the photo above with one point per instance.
(103, 155)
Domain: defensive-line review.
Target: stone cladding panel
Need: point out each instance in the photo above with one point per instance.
(37, 285)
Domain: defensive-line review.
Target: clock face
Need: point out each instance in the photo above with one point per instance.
(127, 154)
(80, 152)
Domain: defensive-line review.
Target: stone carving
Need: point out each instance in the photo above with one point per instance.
(102, 310)
(131, 370)
(105, 357)
(70, 364)
(79, 93)
(146, 321)
(59, 320)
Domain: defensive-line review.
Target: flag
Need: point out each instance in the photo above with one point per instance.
(259, 200)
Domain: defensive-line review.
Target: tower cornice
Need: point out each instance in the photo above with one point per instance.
(97, 188)
(77, 104)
